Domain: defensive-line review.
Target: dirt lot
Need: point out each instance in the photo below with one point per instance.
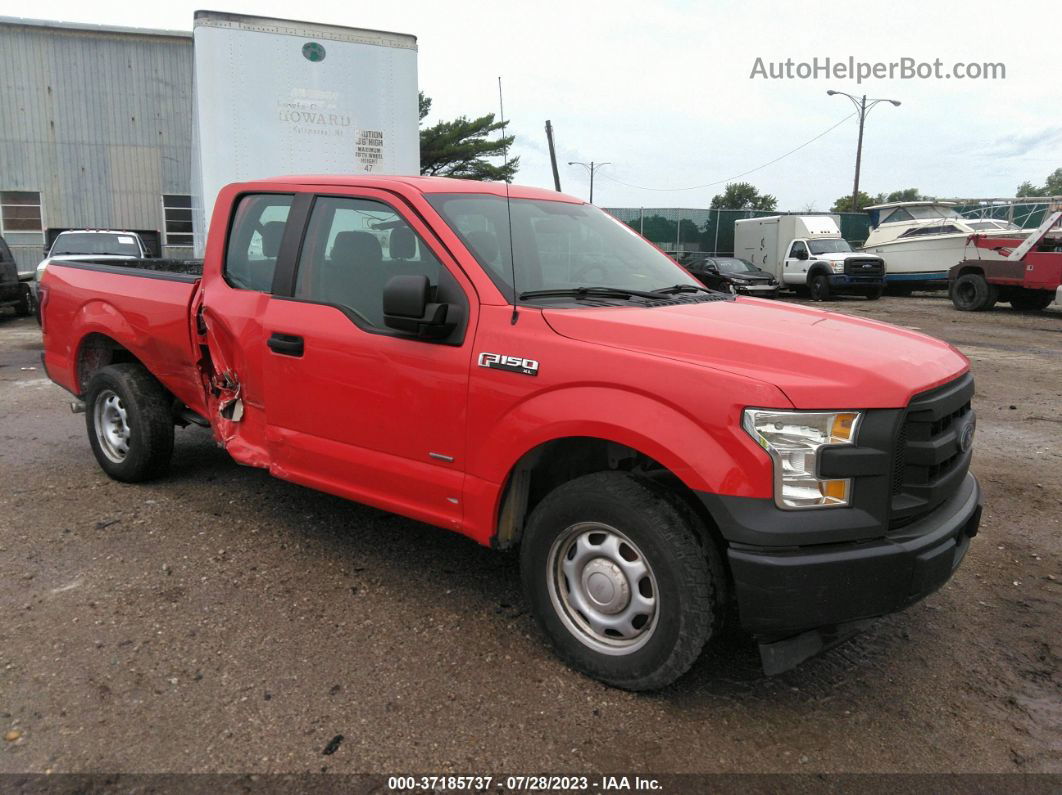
(220, 620)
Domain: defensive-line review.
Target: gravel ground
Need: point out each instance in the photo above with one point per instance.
(220, 620)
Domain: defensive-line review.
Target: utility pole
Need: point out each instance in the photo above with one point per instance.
(591, 167)
(552, 155)
(863, 106)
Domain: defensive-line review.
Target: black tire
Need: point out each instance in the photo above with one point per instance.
(819, 287)
(971, 293)
(26, 305)
(132, 410)
(685, 579)
(901, 291)
(1031, 300)
(874, 293)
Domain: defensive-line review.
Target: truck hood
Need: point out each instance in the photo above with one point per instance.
(841, 256)
(819, 359)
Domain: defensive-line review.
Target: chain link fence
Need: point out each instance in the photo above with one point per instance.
(712, 231)
(681, 229)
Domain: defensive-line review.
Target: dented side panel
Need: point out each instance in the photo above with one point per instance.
(228, 326)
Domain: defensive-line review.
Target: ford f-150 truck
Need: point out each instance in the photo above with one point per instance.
(515, 365)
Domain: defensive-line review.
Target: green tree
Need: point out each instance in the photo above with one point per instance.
(1052, 187)
(656, 228)
(905, 195)
(844, 204)
(743, 196)
(460, 148)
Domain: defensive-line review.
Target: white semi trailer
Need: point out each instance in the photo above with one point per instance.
(276, 97)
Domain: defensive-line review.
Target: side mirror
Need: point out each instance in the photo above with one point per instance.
(407, 307)
(801, 253)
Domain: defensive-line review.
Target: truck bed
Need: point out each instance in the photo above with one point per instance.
(142, 305)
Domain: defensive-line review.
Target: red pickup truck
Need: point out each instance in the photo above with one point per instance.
(513, 364)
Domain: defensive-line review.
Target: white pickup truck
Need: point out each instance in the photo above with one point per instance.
(94, 244)
(807, 253)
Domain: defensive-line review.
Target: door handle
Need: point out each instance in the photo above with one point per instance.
(286, 344)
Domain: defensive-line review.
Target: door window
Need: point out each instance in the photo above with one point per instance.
(798, 247)
(254, 241)
(353, 247)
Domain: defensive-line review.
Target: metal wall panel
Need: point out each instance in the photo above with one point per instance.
(99, 121)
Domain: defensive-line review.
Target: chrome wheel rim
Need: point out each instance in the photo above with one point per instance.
(603, 588)
(112, 426)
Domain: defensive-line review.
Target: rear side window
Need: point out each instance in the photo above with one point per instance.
(254, 241)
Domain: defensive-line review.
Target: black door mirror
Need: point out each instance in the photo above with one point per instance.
(800, 253)
(408, 307)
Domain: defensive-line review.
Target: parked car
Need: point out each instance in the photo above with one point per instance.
(14, 290)
(94, 244)
(733, 275)
(658, 451)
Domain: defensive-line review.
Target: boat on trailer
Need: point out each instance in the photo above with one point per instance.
(921, 241)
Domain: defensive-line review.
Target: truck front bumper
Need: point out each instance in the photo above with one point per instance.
(783, 593)
(842, 281)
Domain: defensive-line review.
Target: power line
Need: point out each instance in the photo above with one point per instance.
(736, 176)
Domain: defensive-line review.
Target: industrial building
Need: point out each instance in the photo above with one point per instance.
(96, 133)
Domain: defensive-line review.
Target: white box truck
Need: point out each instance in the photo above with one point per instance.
(806, 253)
(276, 97)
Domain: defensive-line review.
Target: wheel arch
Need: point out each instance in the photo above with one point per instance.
(96, 350)
(551, 463)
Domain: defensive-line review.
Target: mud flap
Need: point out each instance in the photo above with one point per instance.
(782, 655)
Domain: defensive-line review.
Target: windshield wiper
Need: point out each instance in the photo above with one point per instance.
(683, 288)
(591, 292)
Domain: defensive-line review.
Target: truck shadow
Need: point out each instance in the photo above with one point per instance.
(461, 578)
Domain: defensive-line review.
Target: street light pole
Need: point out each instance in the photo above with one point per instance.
(863, 106)
(591, 167)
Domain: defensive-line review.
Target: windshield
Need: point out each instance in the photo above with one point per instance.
(992, 225)
(735, 265)
(829, 247)
(95, 243)
(556, 245)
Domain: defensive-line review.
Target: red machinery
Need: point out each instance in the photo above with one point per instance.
(1030, 277)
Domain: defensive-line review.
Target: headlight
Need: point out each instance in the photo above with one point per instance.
(793, 440)
(838, 267)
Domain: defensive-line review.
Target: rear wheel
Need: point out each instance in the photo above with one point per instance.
(615, 576)
(129, 419)
(1031, 300)
(819, 287)
(971, 293)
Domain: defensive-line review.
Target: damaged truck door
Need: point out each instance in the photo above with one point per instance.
(321, 372)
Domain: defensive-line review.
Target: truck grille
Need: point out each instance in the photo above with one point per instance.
(864, 266)
(929, 462)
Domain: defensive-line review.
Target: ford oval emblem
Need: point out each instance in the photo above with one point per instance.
(966, 436)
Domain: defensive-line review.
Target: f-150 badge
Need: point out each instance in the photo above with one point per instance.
(514, 364)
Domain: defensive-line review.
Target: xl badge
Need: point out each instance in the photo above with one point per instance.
(514, 364)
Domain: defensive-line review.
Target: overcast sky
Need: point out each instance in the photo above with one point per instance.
(663, 90)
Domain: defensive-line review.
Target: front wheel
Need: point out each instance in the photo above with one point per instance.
(819, 286)
(614, 573)
(130, 422)
(874, 293)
